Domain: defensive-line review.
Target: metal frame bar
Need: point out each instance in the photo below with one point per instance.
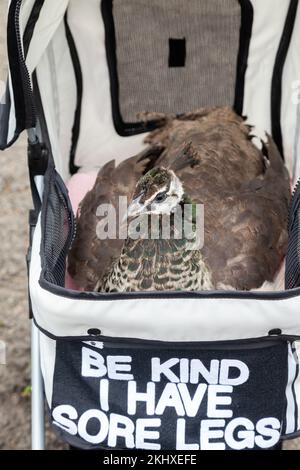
(37, 394)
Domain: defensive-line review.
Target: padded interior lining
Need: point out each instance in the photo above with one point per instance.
(58, 92)
(99, 141)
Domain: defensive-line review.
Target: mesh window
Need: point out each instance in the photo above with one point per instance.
(172, 56)
(58, 228)
(292, 271)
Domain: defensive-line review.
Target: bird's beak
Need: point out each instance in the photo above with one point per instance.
(135, 208)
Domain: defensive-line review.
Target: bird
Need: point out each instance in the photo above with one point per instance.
(210, 157)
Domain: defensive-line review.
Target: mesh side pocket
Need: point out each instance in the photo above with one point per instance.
(292, 271)
(58, 229)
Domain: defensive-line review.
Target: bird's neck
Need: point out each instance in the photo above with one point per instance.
(159, 260)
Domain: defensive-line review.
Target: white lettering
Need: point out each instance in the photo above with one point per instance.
(103, 426)
(120, 426)
(246, 437)
(192, 405)
(64, 422)
(92, 364)
(206, 434)
(142, 433)
(148, 397)
(226, 365)
(170, 397)
(268, 427)
(118, 364)
(165, 368)
(214, 400)
(180, 437)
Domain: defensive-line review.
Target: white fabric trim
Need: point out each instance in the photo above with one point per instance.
(297, 383)
(290, 90)
(26, 8)
(12, 113)
(59, 95)
(64, 87)
(296, 172)
(50, 18)
(268, 23)
(291, 409)
(47, 354)
(160, 319)
(49, 107)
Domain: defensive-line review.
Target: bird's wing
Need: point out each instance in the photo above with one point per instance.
(90, 256)
(244, 189)
(245, 238)
(245, 224)
(220, 142)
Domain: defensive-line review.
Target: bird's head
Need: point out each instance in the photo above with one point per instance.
(158, 192)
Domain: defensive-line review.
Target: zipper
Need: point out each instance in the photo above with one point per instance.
(137, 343)
(119, 342)
(292, 275)
(26, 80)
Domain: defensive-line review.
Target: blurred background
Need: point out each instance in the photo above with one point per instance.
(15, 202)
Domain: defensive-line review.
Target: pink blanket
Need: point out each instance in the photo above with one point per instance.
(78, 186)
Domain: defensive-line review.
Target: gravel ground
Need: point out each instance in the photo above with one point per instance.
(14, 325)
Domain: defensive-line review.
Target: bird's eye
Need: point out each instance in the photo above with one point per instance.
(160, 197)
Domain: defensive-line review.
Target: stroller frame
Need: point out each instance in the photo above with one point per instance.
(39, 149)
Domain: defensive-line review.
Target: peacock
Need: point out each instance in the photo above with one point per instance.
(211, 158)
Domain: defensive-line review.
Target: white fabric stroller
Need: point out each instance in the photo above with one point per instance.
(184, 370)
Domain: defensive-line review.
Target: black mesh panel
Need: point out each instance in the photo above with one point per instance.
(292, 271)
(200, 37)
(58, 227)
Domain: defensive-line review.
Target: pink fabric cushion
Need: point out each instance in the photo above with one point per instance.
(78, 185)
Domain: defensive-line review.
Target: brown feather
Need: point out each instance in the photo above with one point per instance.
(245, 202)
(89, 257)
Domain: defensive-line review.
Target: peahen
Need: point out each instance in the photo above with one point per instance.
(208, 157)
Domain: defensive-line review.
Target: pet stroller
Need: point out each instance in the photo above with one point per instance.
(170, 370)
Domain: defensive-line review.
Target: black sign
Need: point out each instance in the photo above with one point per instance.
(117, 396)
